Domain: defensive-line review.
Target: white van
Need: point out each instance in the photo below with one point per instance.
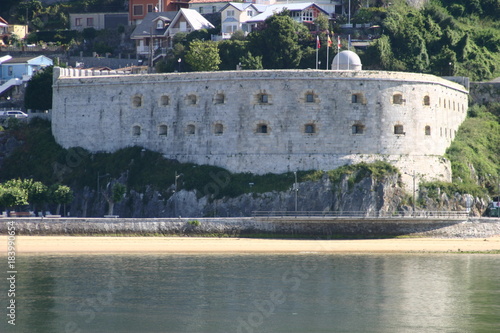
(13, 114)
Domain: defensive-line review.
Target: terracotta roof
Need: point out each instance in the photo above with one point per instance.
(209, 1)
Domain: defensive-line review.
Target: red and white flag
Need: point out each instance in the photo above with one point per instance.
(318, 44)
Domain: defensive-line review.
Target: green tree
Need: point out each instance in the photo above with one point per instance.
(230, 53)
(277, 43)
(60, 195)
(248, 61)
(321, 23)
(38, 94)
(11, 195)
(203, 56)
(114, 194)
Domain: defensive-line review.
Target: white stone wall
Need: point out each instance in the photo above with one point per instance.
(98, 114)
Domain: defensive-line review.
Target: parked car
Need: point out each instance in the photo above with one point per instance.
(13, 114)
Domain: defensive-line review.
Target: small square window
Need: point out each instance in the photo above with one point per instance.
(264, 98)
(219, 98)
(397, 99)
(138, 10)
(309, 129)
(398, 129)
(219, 129)
(310, 98)
(262, 128)
(358, 129)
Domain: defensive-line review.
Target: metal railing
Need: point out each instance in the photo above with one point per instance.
(363, 214)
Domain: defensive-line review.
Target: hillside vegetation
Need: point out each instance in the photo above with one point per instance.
(442, 38)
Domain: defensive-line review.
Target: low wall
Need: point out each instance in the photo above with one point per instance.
(249, 226)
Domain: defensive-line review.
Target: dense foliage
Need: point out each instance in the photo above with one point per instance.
(442, 38)
(38, 94)
(475, 153)
(16, 193)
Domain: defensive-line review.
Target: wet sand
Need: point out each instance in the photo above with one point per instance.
(96, 245)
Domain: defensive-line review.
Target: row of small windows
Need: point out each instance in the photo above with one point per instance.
(263, 128)
(264, 98)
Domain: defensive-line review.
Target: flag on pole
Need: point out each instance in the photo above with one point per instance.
(318, 44)
(330, 43)
(338, 43)
(156, 9)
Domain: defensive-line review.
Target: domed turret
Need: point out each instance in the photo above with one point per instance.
(346, 60)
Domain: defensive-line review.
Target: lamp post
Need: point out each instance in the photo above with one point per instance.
(150, 50)
(175, 190)
(296, 187)
(179, 61)
(98, 185)
(414, 190)
(349, 18)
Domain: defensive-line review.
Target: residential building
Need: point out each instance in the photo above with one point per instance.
(7, 30)
(138, 9)
(98, 21)
(246, 16)
(207, 6)
(304, 12)
(156, 31)
(15, 71)
(235, 15)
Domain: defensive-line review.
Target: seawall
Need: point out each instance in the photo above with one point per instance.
(290, 226)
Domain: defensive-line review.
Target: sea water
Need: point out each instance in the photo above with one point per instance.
(255, 293)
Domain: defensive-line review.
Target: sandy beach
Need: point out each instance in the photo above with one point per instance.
(96, 245)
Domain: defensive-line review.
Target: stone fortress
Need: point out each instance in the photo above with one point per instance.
(267, 121)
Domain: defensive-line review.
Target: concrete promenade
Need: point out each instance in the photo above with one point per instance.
(268, 226)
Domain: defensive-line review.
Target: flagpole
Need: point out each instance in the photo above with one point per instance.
(338, 52)
(327, 54)
(317, 51)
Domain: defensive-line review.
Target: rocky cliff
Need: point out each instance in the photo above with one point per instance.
(368, 195)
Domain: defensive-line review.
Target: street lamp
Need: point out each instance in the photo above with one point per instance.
(175, 190)
(179, 61)
(414, 177)
(98, 185)
(296, 187)
(150, 52)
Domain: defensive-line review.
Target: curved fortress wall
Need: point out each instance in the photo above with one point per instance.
(265, 121)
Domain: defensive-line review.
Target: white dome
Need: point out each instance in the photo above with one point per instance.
(346, 60)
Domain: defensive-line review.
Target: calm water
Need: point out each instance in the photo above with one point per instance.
(256, 293)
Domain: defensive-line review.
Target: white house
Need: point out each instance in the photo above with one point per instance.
(235, 15)
(304, 12)
(246, 16)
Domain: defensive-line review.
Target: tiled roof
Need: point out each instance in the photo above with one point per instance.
(143, 29)
(209, 1)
